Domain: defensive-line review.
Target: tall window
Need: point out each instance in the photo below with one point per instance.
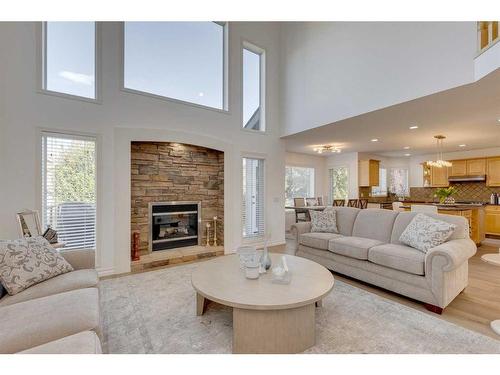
(253, 198)
(69, 188)
(69, 58)
(253, 88)
(339, 183)
(179, 60)
(398, 182)
(299, 183)
(381, 189)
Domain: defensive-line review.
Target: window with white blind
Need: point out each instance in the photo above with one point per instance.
(253, 198)
(69, 188)
(398, 182)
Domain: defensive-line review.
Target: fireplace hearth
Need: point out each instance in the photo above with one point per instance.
(174, 225)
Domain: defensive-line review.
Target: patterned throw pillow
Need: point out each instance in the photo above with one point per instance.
(324, 221)
(28, 261)
(424, 232)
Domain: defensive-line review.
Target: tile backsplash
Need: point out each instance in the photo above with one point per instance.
(467, 191)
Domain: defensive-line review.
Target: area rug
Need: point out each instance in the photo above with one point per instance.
(154, 312)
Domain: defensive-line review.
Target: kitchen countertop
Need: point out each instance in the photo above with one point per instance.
(454, 207)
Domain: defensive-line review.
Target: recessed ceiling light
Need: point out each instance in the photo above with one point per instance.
(413, 127)
(406, 147)
(374, 140)
(498, 120)
(407, 154)
(201, 94)
(462, 145)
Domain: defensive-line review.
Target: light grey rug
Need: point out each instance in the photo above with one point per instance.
(154, 312)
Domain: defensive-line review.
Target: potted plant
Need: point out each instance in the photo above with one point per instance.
(445, 195)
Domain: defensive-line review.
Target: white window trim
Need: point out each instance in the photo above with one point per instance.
(42, 71)
(263, 97)
(98, 142)
(257, 240)
(225, 75)
(330, 185)
(315, 190)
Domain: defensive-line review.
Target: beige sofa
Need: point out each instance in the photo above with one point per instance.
(60, 315)
(367, 248)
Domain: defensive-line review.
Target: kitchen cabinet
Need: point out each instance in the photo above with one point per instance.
(368, 172)
(476, 167)
(492, 220)
(493, 171)
(439, 177)
(458, 168)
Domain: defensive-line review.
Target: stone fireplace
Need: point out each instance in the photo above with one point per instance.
(169, 181)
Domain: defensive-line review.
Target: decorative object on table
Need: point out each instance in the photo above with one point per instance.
(135, 246)
(50, 235)
(265, 260)
(281, 273)
(252, 270)
(208, 234)
(445, 195)
(247, 254)
(215, 230)
(29, 223)
(493, 259)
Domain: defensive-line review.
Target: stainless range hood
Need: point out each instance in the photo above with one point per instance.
(471, 178)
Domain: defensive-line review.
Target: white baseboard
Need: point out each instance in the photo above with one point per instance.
(105, 271)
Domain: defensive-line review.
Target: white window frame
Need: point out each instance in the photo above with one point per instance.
(330, 182)
(254, 239)
(42, 66)
(314, 189)
(262, 73)
(225, 75)
(407, 192)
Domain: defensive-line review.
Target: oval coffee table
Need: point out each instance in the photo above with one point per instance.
(495, 260)
(267, 317)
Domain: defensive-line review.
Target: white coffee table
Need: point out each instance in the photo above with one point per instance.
(267, 317)
(495, 260)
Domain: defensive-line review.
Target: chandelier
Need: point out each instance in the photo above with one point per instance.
(325, 149)
(439, 162)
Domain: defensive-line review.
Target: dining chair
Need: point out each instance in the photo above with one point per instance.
(299, 202)
(320, 201)
(396, 206)
(424, 208)
(311, 201)
(339, 202)
(363, 203)
(352, 203)
(300, 214)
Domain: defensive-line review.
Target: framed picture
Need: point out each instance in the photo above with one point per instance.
(29, 223)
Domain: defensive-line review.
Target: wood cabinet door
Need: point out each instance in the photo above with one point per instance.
(458, 168)
(476, 166)
(374, 173)
(439, 177)
(493, 171)
(492, 220)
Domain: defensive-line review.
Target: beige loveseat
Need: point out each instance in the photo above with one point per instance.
(57, 316)
(367, 248)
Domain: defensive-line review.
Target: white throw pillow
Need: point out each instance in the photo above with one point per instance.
(28, 261)
(324, 221)
(424, 232)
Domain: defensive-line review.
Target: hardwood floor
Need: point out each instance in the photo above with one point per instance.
(473, 309)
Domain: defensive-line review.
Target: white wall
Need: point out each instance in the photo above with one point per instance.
(336, 70)
(310, 161)
(123, 117)
(416, 170)
(349, 160)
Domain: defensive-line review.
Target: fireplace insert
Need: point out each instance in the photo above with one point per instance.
(174, 224)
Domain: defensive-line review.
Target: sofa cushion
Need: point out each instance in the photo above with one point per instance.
(63, 283)
(324, 221)
(399, 257)
(317, 240)
(375, 224)
(28, 261)
(424, 232)
(345, 219)
(81, 343)
(404, 218)
(352, 247)
(31, 323)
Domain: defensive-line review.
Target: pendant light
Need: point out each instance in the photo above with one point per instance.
(439, 162)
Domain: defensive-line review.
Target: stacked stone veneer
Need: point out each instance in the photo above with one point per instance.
(164, 171)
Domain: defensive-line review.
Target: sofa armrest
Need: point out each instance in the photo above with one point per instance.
(454, 252)
(79, 259)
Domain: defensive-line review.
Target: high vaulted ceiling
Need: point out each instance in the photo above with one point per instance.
(467, 115)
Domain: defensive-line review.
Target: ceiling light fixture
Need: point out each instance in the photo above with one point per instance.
(326, 149)
(413, 127)
(406, 147)
(462, 145)
(374, 140)
(407, 154)
(439, 162)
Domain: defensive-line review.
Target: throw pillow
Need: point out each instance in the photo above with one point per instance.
(424, 232)
(28, 261)
(324, 221)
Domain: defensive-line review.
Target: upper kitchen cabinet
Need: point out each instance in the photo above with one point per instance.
(493, 171)
(458, 168)
(476, 167)
(368, 172)
(439, 177)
